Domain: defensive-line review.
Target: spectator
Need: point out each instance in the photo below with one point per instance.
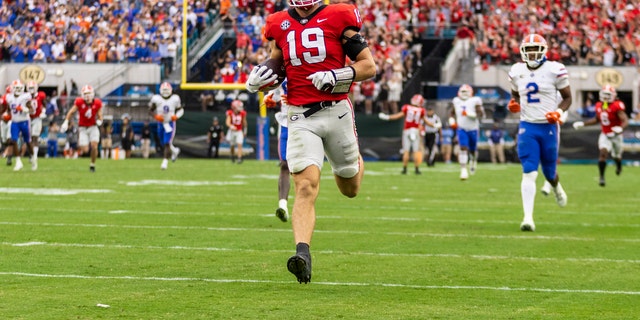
(52, 140)
(496, 143)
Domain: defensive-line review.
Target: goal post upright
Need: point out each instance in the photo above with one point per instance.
(262, 121)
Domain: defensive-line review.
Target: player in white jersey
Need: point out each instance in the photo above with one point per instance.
(18, 103)
(166, 108)
(535, 84)
(466, 112)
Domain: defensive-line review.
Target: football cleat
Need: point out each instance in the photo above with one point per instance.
(282, 214)
(164, 164)
(300, 266)
(464, 174)
(618, 169)
(92, 168)
(546, 188)
(472, 167)
(561, 196)
(174, 155)
(418, 171)
(527, 226)
(18, 166)
(601, 182)
(34, 165)
(9, 160)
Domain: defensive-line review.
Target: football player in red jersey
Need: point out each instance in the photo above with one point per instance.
(236, 121)
(414, 115)
(610, 113)
(89, 110)
(38, 101)
(313, 40)
(5, 126)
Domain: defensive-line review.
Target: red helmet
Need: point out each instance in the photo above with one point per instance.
(417, 100)
(303, 4)
(465, 92)
(608, 93)
(237, 105)
(165, 89)
(32, 87)
(87, 93)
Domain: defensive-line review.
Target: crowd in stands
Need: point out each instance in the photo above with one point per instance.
(93, 31)
(578, 31)
(99, 31)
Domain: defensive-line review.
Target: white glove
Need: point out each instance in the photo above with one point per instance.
(617, 129)
(65, 126)
(98, 122)
(578, 124)
(323, 80)
(383, 116)
(437, 125)
(452, 121)
(260, 77)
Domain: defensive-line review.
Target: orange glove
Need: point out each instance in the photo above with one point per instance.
(174, 117)
(283, 98)
(269, 102)
(6, 117)
(554, 116)
(159, 118)
(513, 106)
(464, 113)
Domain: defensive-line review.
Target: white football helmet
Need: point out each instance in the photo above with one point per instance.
(417, 100)
(533, 50)
(303, 4)
(237, 105)
(166, 90)
(32, 87)
(87, 93)
(17, 87)
(608, 93)
(465, 92)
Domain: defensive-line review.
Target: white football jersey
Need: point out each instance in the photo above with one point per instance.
(538, 89)
(470, 121)
(13, 102)
(166, 107)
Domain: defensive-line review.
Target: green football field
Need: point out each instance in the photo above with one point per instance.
(200, 241)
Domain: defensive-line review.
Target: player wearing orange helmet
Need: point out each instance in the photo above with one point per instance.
(535, 84)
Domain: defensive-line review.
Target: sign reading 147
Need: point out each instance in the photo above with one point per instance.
(32, 73)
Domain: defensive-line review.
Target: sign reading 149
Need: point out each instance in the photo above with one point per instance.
(32, 73)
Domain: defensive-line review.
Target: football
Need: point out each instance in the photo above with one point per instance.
(277, 66)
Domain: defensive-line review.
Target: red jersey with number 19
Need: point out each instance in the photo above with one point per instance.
(311, 44)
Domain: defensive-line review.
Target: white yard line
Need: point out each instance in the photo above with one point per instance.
(327, 252)
(346, 284)
(527, 237)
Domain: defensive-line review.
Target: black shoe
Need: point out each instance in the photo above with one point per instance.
(418, 171)
(602, 182)
(92, 168)
(282, 215)
(233, 159)
(239, 160)
(618, 170)
(404, 170)
(8, 161)
(300, 266)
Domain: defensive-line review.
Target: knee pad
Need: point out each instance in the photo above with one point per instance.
(347, 172)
